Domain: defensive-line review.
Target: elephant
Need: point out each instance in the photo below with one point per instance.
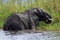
(26, 20)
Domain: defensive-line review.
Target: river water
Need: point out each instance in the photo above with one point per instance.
(43, 35)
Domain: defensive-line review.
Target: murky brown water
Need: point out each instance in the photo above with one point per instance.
(44, 35)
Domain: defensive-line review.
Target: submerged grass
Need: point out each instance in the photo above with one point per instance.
(50, 6)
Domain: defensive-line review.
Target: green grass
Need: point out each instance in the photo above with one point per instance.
(50, 6)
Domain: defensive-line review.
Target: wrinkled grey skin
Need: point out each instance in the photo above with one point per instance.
(27, 20)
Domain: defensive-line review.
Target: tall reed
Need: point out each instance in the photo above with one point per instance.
(50, 6)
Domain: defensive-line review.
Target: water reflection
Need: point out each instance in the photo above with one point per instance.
(44, 35)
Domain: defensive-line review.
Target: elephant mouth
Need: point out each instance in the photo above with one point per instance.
(48, 21)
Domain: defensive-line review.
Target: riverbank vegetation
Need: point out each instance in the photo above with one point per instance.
(50, 6)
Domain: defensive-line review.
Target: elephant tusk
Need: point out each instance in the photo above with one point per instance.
(50, 19)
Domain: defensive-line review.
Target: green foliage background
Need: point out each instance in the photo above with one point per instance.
(50, 6)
